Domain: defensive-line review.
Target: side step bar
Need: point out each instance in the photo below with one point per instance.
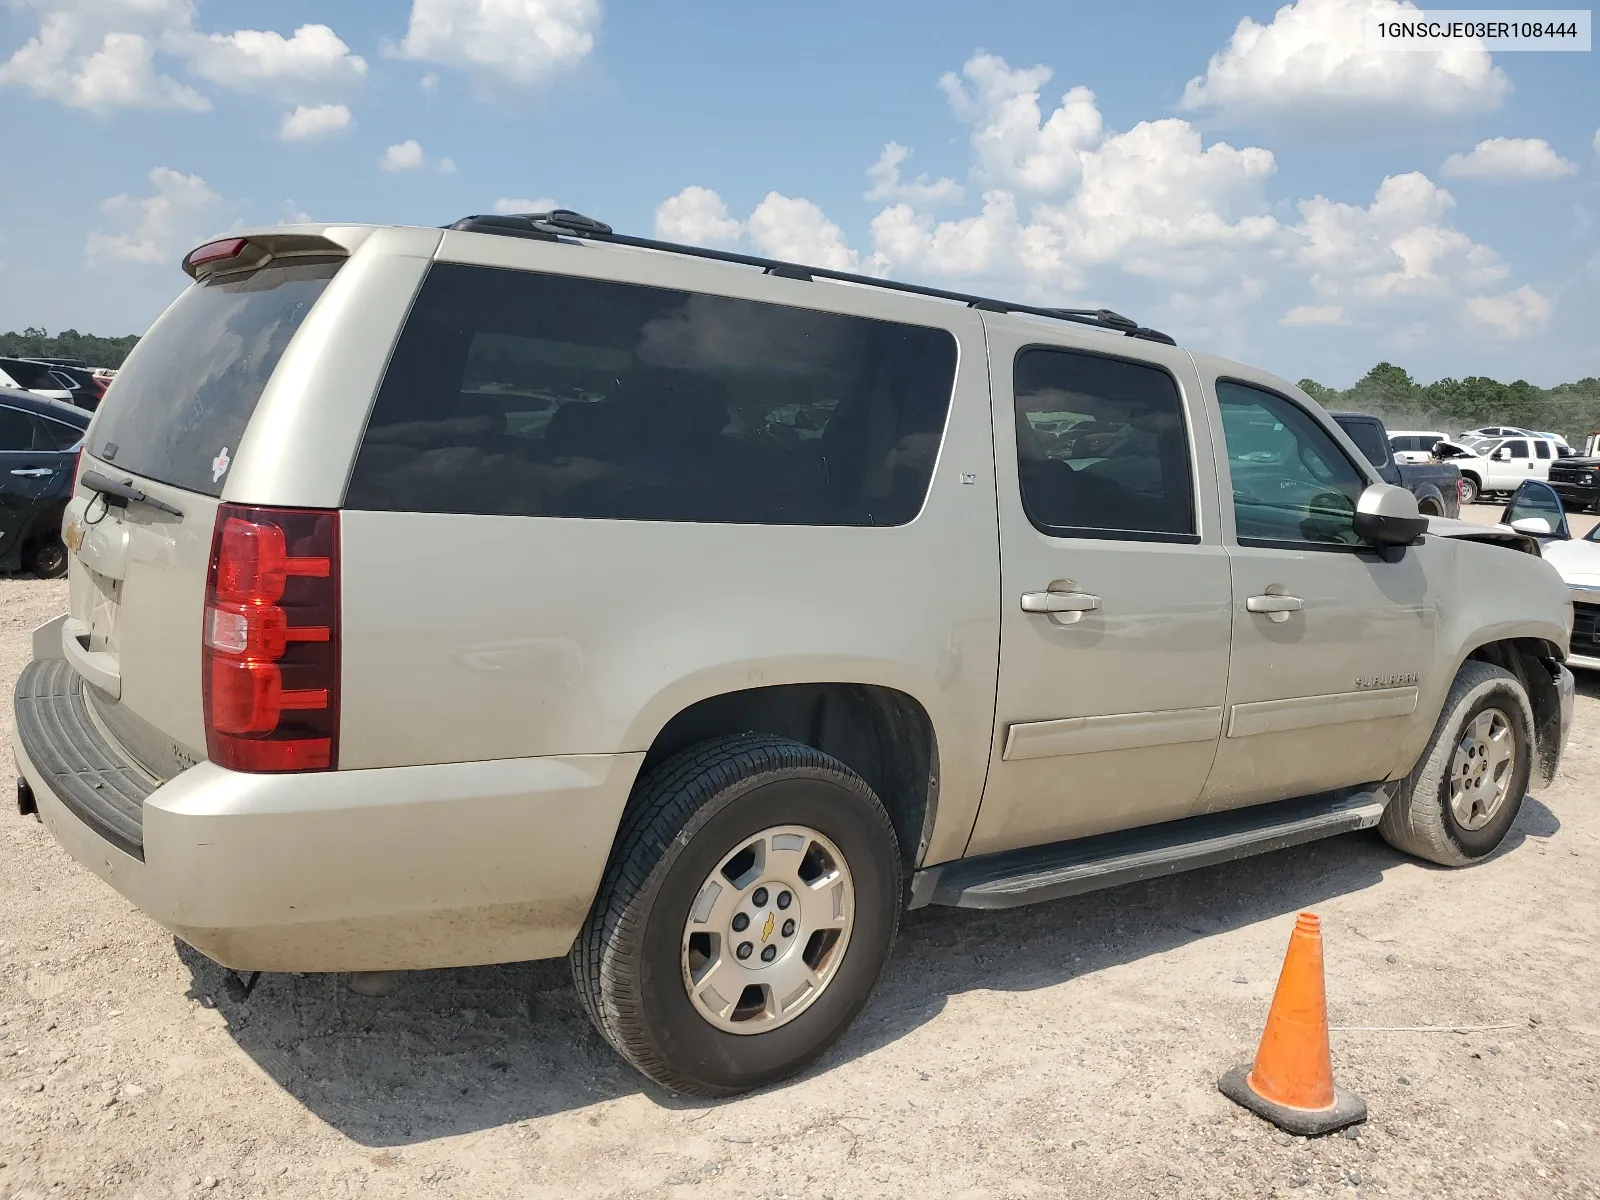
(1037, 873)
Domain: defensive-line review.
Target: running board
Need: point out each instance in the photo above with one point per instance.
(1037, 873)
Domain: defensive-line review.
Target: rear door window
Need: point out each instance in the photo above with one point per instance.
(1102, 447)
(16, 430)
(190, 386)
(523, 394)
(32, 376)
(1542, 449)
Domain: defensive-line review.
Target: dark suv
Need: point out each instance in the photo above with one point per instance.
(39, 441)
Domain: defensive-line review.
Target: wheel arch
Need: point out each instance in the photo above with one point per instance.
(1528, 658)
(883, 734)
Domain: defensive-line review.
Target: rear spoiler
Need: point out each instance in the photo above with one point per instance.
(248, 250)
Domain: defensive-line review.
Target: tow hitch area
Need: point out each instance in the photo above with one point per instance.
(239, 987)
(26, 805)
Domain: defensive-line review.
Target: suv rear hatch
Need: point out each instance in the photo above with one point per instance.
(142, 519)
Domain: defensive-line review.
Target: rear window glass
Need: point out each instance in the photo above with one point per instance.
(1368, 439)
(190, 386)
(523, 394)
(31, 376)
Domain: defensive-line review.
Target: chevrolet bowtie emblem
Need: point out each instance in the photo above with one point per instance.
(766, 930)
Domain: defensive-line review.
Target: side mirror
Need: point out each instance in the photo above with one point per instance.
(1538, 526)
(1502, 455)
(1387, 516)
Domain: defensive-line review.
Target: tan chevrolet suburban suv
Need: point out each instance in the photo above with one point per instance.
(522, 589)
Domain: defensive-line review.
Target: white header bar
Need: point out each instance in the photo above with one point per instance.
(1493, 29)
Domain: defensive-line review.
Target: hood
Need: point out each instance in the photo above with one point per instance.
(1471, 531)
(1577, 560)
(1456, 448)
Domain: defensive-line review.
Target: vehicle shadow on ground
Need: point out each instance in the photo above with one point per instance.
(457, 1051)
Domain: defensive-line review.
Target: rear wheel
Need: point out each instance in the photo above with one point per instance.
(1464, 794)
(745, 916)
(47, 558)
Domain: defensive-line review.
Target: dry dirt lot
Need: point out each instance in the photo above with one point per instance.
(1070, 1049)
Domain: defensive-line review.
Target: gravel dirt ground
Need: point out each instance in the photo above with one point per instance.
(1070, 1049)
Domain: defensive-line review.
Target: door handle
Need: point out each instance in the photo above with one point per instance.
(34, 472)
(1277, 608)
(1064, 607)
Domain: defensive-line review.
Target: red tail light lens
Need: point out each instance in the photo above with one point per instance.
(270, 642)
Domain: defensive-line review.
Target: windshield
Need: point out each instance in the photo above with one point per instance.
(186, 393)
(1480, 445)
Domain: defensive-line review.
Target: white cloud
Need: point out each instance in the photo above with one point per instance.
(1311, 67)
(887, 184)
(796, 230)
(82, 65)
(429, 84)
(1154, 200)
(1015, 144)
(697, 216)
(1398, 249)
(102, 55)
(1597, 139)
(1509, 160)
(1155, 210)
(156, 228)
(403, 156)
(313, 62)
(518, 41)
(1514, 314)
(314, 121)
(1313, 314)
(516, 204)
(408, 156)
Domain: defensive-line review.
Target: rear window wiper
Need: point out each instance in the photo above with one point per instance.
(119, 495)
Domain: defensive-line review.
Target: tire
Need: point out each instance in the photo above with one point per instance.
(47, 558)
(635, 954)
(1421, 819)
(1470, 490)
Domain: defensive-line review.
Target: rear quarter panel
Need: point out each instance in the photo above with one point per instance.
(483, 637)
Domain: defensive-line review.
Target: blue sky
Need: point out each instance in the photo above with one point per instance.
(1252, 178)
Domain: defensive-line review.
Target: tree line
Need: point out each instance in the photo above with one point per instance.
(1449, 405)
(69, 343)
(1454, 405)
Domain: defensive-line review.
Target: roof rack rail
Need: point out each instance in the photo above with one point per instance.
(563, 223)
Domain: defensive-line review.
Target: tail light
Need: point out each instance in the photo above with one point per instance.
(270, 643)
(1461, 490)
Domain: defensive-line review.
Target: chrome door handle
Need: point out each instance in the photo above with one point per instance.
(34, 472)
(1069, 605)
(1277, 608)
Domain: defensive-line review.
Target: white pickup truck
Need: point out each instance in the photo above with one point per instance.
(1498, 464)
(522, 589)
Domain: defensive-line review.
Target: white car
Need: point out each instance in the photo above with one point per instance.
(1491, 464)
(1538, 510)
(1413, 446)
(21, 375)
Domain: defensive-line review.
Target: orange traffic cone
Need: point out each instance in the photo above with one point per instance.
(1291, 1081)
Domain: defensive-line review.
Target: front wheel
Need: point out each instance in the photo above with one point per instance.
(1465, 792)
(1469, 490)
(745, 916)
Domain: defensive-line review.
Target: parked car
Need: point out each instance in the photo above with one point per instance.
(21, 375)
(1490, 465)
(1494, 431)
(1537, 509)
(709, 695)
(39, 441)
(1437, 486)
(1414, 445)
(87, 388)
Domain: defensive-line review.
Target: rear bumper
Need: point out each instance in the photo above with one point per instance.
(412, 867)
